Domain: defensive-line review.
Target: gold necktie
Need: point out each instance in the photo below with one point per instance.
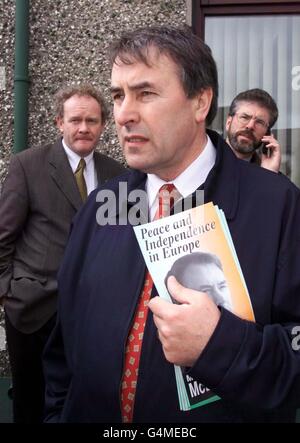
(80, 179)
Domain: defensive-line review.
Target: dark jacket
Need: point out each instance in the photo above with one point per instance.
(39, 199)
(252, 366)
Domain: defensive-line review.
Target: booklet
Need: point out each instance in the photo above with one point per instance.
(196, 247)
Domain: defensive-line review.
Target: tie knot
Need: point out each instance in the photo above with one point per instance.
(81, 165)
(167, 188)
(167, 197)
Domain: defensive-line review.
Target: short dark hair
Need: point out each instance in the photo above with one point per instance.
(84, 89)
(197, 68)
(258, 96)
(199, 258)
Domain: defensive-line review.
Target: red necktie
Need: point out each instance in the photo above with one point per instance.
(167, 195)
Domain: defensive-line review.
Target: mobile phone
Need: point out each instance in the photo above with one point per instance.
(266, 151)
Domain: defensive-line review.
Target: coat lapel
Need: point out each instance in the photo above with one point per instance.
(225, 171)
(63, 176)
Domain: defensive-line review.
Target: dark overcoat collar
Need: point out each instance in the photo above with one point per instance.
(222, 183)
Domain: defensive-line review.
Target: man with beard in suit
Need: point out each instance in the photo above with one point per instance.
(251, 116)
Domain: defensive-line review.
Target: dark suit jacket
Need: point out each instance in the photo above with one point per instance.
(252, 366)
(38, 201)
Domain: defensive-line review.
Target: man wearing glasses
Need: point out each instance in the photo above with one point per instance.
(251, 116)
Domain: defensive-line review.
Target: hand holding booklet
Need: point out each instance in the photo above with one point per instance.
(196, 247)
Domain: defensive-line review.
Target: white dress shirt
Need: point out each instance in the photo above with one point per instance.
(188, 181)
(89, 172)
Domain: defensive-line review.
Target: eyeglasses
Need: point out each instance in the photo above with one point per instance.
(244, 119)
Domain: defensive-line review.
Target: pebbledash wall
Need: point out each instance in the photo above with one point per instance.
(68, 44)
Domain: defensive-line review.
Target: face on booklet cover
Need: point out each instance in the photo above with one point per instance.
(164, 89)
(203, 272)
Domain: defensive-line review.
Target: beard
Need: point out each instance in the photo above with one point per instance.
(243, 146)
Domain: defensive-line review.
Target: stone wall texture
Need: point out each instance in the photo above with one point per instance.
(68, 44)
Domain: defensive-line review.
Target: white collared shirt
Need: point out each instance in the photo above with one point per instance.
(89, 172)
(188, 181)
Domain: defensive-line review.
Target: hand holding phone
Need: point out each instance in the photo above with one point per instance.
(271, 154)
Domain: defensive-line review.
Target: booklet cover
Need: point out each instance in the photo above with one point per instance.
(196, 247)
